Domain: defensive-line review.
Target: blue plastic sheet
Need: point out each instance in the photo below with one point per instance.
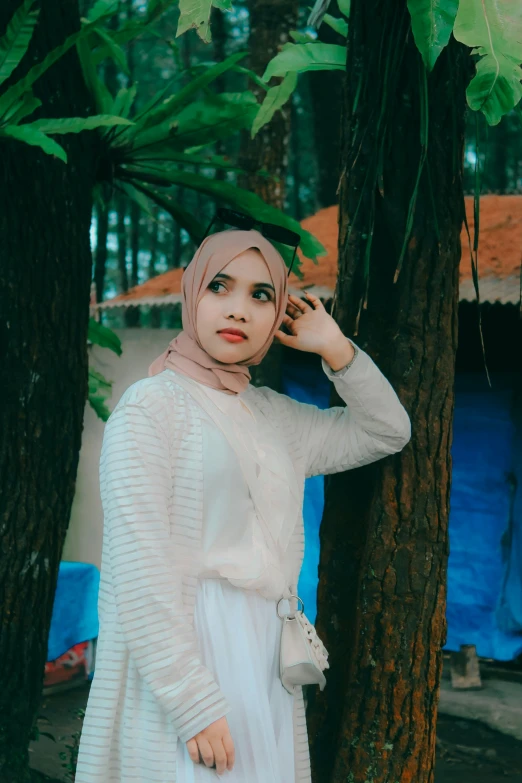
(484, 600)
(75, 608)
(483, 451)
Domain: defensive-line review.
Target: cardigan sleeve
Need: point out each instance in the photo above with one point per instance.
(135, 480)
(373, 424)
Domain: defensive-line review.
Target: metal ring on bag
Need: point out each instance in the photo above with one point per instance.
(287, 599)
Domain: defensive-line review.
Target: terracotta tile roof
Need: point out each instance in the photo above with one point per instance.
(500, 249)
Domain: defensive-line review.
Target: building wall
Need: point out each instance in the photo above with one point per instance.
(140, 347)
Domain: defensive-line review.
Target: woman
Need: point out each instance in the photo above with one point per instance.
(202, 478)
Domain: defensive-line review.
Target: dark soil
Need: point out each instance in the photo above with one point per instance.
(467, 751)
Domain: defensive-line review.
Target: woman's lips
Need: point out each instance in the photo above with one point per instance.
(232, 338)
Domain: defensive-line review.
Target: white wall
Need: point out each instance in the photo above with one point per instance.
(140, 347)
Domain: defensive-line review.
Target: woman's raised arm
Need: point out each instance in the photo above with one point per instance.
(373, 424)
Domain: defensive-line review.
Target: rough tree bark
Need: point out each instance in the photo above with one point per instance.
(384, 541)
(270, 23)
(45, 276)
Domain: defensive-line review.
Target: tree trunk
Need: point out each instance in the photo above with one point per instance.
(326, 90)
(270, 23)
(100, 256)
(132, 314)
(45, 276)
(384, 541)
(121, 233)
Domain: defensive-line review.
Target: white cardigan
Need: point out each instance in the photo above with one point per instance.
(150, 688)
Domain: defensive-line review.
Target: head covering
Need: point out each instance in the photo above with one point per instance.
(185, 353)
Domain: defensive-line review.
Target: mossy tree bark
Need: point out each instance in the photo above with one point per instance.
(45, 275)
(384, 533)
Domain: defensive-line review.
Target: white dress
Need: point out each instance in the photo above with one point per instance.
(238, 628)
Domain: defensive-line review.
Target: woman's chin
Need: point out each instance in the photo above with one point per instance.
(229, 353)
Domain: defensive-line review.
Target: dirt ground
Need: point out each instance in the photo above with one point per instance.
(467, 751)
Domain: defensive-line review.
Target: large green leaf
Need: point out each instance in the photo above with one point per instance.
(99, 391)
(76, 124)
(14, 93)
(103, 336)
(103, 9)
(26, 106)
(169, 203)
(168, 108)
(15, 42)
(494, 31)
(432, 22)
(275, 99)
(166, 154)
(35, 138)
(306, 57)
(114, 50)
(196, 14)
(102, 98)
(344, 7)
(339, 25)
(202, 122)
(124, 100)
(242, 199)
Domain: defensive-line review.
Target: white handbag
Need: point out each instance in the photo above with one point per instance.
(303, 657)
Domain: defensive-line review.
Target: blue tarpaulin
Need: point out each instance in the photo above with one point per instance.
(484, 602)
(75, 610)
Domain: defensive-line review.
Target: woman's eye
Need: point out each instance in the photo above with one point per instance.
(268, 297)
(213, 284)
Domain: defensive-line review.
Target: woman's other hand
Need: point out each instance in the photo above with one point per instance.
(213, 746)
(314, 330)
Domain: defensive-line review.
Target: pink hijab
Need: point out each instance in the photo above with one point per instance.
(184, 353)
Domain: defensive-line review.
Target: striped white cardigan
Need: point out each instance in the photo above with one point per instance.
(150, 688)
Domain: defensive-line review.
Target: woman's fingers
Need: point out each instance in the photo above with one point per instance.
(206, 751)
(298, 303)
(193, 750)
(228, 744)
(220, 756)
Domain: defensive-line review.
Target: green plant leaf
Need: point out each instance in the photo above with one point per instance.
(15, 42)
(495, 30)
(432, 22)
(196, 14)
(275, 99)
(115, 51)
(147, 118)
(166, 154)
(104, 337)
(35, 139)
(124, 100)
(238, 197)
(99, 391)
(344, 7)
(16, 91)
(28, 104)
(306, 57)
(301, 38)
(170, 204)
(136, 195)
(76, 124)
(103, 9)
(339, 25)
(202, 122)
(101, 96)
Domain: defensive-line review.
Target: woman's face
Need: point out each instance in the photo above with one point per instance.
(241, 296)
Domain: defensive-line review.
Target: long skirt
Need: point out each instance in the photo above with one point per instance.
(239, 634)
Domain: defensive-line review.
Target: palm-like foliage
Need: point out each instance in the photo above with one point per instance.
(18, 102)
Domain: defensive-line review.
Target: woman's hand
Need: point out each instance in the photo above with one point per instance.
(312, 329)
(213, 746)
